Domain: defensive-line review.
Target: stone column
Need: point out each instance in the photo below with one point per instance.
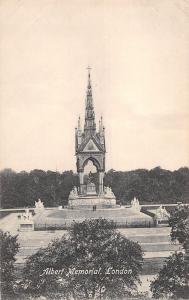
(101, 177)
(81, 182)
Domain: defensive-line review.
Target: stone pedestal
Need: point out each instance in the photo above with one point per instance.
(87, 201)
(25, 221)
(91, 189)
(26, 226)
(105, 199)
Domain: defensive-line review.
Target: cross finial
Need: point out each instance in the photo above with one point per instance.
(89, 78)
(89, 68)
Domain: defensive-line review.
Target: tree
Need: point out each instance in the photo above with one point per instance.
(173, 278)
(97, 261)
(9, 248)
(23, 189)
(157, 185)
(179, 222)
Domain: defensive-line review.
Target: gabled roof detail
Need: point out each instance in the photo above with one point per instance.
(91, 145)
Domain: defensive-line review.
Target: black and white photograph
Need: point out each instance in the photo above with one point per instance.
(94, 149)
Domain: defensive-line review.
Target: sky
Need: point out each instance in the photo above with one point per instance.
(138, 52)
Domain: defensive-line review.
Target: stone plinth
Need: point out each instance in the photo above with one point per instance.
(91, 189)
(25, 221)
(26, 226)
(92, 200)
(106, 199)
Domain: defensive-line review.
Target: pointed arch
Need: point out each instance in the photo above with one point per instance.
(94, 161)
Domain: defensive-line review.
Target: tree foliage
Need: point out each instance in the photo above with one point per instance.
(90, 245)
(23, 189)
(9, 248)
(173, 279)
(149, 186)
(179, 222)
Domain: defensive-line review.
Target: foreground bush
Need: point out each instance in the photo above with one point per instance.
(81, 264)
(173, 279)
(9, 248)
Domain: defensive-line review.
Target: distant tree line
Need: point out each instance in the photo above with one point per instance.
(24, 188)
(149, 186)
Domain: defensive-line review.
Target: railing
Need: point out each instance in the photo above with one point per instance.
(65, 226)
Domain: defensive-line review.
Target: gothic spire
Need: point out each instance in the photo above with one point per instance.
(90, 125)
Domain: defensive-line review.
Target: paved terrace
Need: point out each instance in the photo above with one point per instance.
(155, 242)
(121, 216)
